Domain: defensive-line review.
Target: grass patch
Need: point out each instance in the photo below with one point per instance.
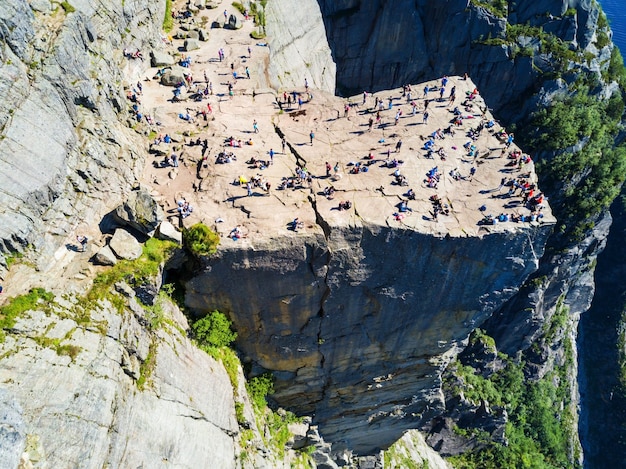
(13, 258)
(168, 19)
(155, 253)
(146, 368)
(67, 7)
(35, 299)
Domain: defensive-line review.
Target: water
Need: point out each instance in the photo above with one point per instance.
(616, 13)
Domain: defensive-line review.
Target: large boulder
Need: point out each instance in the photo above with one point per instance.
(125, 245)
(193, 34)
(203, 34)
(234, 22)
(161, 59)
(191, 44)
(105, 256)
(140, 212)
(167, 232)
(173, 77)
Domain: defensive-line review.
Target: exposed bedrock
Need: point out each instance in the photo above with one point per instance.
(357, 326)
(66, 152)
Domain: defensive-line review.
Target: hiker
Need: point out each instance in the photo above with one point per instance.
(311, 137)
(82, 241)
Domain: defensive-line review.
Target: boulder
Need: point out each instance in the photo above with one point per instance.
(203, 34)
(191, 44)
(218, 23)
(173, 77)
(105, 256)
(168, 232)
(234, 22)
(159, 149)
(200, 4)
(140, 212)
(125, 245)
(210, 5)
(193, 34)
(161, 59)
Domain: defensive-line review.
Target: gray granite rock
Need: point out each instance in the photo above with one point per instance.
(166, 231)
(191, 44)
(105, 256)
(140, 212)
(161, 59)
(125, 245)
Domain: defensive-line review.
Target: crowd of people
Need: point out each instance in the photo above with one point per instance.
(379, 113)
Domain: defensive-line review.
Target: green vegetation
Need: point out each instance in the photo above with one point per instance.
(68, 350)
(592, 174)
(540, 423)
(213, 330)
(201, 240)
(214, 335)
(258, 388)
(67, 7)
(155, 253)
(35, 299)
(499, 8)
(168, 19)
(12, 258)
(146, 368)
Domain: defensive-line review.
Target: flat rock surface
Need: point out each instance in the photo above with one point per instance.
(340, 138)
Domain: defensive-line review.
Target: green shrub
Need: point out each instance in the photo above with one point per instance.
(239, 7)
(258, 389)
(213, 330)
(201, 240)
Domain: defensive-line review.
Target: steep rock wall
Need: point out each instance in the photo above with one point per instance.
(65, 154)
(299, 49)
(358, 325)
(384, 44)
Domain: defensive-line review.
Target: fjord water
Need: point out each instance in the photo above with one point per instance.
(616, 13)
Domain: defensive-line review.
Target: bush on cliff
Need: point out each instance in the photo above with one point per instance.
(587, 169)
(201, 240)
(213, 330)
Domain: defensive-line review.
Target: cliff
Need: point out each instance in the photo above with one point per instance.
(358, 325)
(358, 316)
(62, 77)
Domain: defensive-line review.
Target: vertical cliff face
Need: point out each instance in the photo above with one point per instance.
(299, 48)
(64, 147)
(379, 45)
(357, 326)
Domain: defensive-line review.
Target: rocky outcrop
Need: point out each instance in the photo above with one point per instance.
(357, 324)
(122, 388)
(66, 153)
(298, 46)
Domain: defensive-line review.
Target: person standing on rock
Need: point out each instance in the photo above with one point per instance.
(398, 146)
(328, 168)
(311, 137)
(248, 72)
(255, 126)
(284, 144)
(249, 52)
(425, 120)
(82, 241)
(271, 155)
